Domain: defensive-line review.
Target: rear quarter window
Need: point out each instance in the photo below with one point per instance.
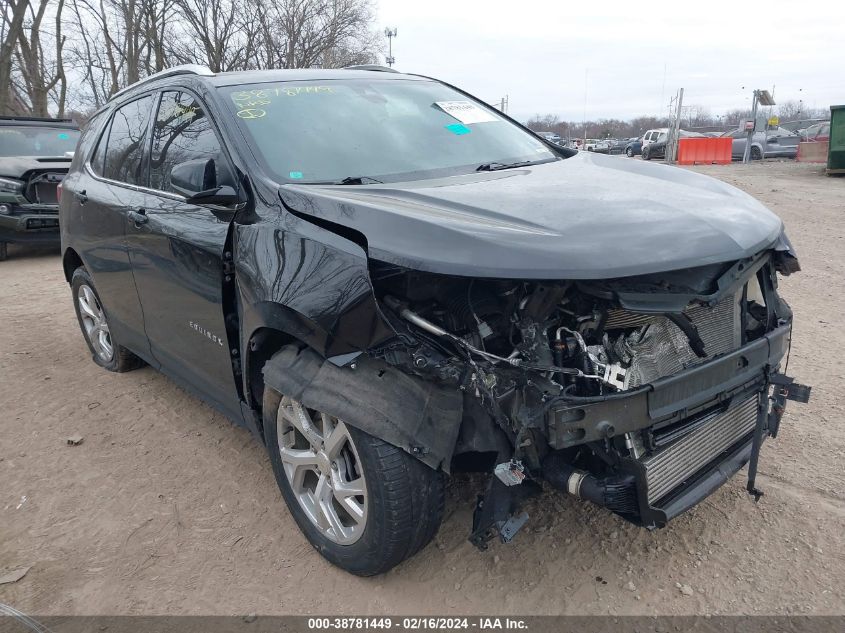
(120, 153)
(88, 140)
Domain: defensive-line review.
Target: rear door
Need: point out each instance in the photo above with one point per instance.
(781, 141)
(96, 200)
(176, 249)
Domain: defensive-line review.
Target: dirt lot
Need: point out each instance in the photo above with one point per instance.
(167, 508)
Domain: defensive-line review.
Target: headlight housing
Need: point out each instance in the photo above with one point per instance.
(9, 186)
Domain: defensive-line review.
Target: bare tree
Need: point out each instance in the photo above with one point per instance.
(97, 47)
(41, 71)
(14, 13)
(216, 34)
(306, 33)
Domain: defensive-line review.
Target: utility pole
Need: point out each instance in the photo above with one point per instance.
(674, 128)
(586, 74)
(390, 33)
(761, 97)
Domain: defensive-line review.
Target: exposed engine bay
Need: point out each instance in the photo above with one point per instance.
(566, 375)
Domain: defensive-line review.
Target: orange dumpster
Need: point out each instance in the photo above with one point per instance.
(704, 151)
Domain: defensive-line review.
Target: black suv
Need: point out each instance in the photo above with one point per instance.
(34, 157)
(387, 281)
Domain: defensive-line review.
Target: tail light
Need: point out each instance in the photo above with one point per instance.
(59, 193)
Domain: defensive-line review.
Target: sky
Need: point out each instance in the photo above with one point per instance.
(615, 59)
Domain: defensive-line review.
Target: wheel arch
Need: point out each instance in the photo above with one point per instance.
(418, 416)
(262, 345)
(70, 262)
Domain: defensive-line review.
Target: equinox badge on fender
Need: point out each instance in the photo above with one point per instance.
(213, 337)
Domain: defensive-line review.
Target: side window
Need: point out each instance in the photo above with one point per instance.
(125, 148)
(184, 143)
(87, 141)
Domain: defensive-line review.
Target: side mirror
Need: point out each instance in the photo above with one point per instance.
(193, 177)
(224, 196)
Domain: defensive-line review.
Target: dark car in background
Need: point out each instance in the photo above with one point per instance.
(657, 149)
(634, 147)
(618, 146)
(381, 318)
(35, 155)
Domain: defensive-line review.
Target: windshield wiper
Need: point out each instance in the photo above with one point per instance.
(358, 180)
(497, 166)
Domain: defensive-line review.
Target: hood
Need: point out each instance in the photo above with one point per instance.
(17, 166)
(585, 217)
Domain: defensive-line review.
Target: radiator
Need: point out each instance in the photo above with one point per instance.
(659, 348)
(668, 468)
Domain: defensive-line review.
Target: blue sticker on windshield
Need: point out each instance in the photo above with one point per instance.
(458, 128)
(296, 174)
(64, 136)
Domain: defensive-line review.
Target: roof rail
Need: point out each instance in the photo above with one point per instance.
(184, 69)
(37, 119)
(375, 67)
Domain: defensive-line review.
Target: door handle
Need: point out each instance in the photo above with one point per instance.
(138, 216)
(81, 196)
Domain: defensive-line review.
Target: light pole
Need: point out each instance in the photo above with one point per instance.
(761, 97)
(390, 33)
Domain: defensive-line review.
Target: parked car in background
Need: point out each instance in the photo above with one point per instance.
(634, 147)
(657, 149)
(800, 125)
(552, 137)
(817, 132)
(603, 146)
(35, 154)
(618, 146)
(652, 135)
(773, 143)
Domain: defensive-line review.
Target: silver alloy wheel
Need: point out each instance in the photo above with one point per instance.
(324, 471)
(94, 322)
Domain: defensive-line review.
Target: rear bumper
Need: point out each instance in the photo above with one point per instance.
(31, 227)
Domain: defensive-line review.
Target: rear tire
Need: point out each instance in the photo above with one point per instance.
(93, 322)
(402, 500)
(629, 152)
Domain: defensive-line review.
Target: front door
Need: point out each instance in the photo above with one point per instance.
(176, 249)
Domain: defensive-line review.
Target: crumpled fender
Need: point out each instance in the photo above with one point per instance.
(417, 416)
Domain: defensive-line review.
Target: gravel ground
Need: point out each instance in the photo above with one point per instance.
(167, 508)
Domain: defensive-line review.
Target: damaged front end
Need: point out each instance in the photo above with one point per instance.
(641, 394)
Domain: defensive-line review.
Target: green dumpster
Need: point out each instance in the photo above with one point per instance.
(836, 151)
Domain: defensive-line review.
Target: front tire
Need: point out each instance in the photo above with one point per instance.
(93, 322)
(646, 154)
(364, 504)
(756, 154)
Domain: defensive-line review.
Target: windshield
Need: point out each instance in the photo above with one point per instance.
(379, 129)
(28, 140)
